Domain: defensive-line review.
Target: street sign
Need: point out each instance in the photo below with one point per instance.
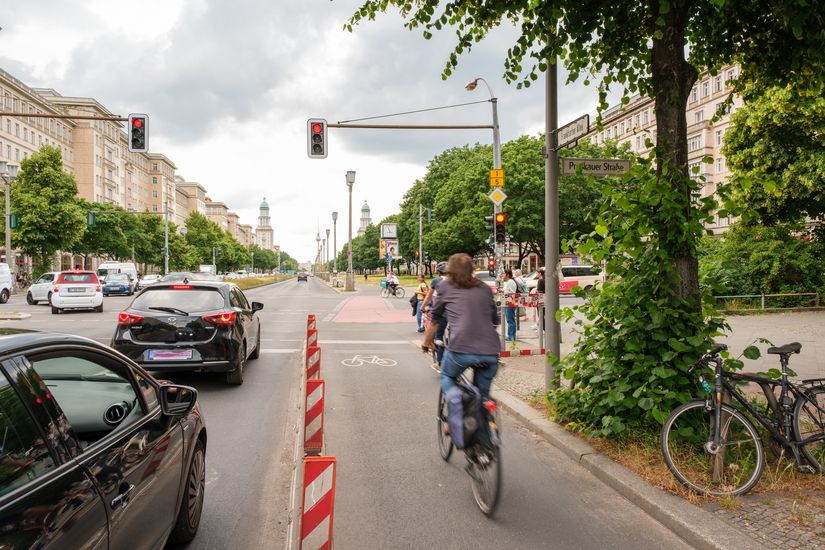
(497, 196)
(595, 167)
(14, 220)
(497, 177)
(571, 132)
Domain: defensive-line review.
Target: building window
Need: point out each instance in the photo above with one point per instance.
(616, 131)
(638, 142)
(646, 117)
(154, 208)
(694, 143)
(718, 137)
(622, 128)
(720, 165)
(154, 194)
(17, 154)
(705, 88)
(717, 84)
(16, 130)
(154, 167)
(694, 94)
(154, 180)
(694, 169)
(637, 120)
(731, 75)
(698, 116)
(608, 133)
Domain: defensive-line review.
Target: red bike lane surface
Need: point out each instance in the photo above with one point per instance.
(371, 309)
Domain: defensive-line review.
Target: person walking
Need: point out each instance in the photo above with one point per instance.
(420, 292)
(432, 292)
(510, 291)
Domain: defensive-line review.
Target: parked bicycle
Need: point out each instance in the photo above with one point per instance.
(387, 291)
(714, 449)
(482, 441)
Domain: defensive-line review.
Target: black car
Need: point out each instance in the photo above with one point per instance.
(95, 452)
(198, 326)
(186, 276)
(303, 277)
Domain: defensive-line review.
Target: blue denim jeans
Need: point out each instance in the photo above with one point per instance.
(418, 312)
(439, 335)
(510, 314)
(455, 363)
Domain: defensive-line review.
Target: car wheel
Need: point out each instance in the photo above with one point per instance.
(191, 504)
(235, 378)
(4, 296)
(30, 299)
(49, 298)
(55, 310)
(99, 309)
(257, 351)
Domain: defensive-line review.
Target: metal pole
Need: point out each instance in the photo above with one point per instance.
(166, 237)
(420, 240)
(335, 241)
(350, 276)
(552, 328)
(499, 253)
(9, 253)
(327, 244)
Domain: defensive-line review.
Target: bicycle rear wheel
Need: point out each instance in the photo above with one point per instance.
(400, 292)
(809, 421)
(486, 475)
(445, 442)
(733, 469)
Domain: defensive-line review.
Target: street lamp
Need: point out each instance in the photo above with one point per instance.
(7, 173)
(318, 249)
(335, 241)
(350, 276)
(472, 85)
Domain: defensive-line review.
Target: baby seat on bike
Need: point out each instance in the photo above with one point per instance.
(464, 415)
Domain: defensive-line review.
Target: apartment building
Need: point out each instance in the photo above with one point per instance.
(246, 236)
(635, 122)
(218, 213)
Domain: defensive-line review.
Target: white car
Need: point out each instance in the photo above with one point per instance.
(147, 280)
(5, 283)
(77, 290)
(41, 289)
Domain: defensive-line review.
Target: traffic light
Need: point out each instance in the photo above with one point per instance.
(491, 267)
(137, 132)
(14, 220)
(317, 138)
(500, 220)
(489, 224)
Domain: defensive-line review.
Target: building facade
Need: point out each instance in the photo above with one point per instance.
(366, 220)
(264, 234)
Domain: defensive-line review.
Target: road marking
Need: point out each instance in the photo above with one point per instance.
(280, 350)
(360, 360)
(387, 342)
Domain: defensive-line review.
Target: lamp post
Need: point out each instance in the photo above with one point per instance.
(335, 241)
(472, 85)
(8, 172)
(165, 237)
(326, 255)
(318, 249)
(350, 276)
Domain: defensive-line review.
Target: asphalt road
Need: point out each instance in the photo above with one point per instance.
(393, 490)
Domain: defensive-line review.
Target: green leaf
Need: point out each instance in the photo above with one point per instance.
(752, 353)
(646, 403)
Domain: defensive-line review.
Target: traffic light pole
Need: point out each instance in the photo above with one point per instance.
(496, 209)
(420, 239)
(165, 237)
(552, 328)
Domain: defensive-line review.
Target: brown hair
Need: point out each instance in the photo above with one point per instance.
(460, 269)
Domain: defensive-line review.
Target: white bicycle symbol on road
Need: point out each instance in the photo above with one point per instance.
(360, 360)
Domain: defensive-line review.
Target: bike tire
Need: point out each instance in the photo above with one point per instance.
(486, 479)
(445, 441)
(686, 432)
(385, 293)
(400, 292)
(809, 421)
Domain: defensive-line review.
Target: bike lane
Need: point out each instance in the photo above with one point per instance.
(394, 490)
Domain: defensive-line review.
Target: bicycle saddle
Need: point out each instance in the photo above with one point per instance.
(787, 348)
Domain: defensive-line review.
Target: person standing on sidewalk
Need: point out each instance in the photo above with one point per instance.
(540, 292)
(420, 292)
(510, 290)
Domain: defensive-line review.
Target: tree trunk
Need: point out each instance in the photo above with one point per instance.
(673, 78)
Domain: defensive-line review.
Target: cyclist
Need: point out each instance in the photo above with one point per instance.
(468, 306)
(441, 269)
(392, 282)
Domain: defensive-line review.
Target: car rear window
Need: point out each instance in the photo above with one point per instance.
(88, 278)
(118, 277)
(188, 300)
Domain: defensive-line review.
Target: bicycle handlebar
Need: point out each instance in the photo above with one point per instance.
(713, 352)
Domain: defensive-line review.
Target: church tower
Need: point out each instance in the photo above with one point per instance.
(365, 218)
(264, 234)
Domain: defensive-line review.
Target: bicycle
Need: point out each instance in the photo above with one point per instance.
(714, 449)
(483, 453)
(398, 291)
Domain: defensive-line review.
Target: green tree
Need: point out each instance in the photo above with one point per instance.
(204, 235)
(149, 246)
(50, 217)
(114, 232)
(775, 148)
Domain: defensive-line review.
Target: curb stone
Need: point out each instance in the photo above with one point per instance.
(14, 316)
(694, 525)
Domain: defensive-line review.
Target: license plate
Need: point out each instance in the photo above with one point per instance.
(169, 354)
(76, 290)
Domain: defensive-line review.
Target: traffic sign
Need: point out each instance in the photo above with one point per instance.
(571, 132)
(497, 196)
(497, 177)
(595, 167)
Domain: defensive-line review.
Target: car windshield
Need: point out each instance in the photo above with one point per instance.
(88, 278)
(180, 276)
(151, 277)
(189, 299)
(117, 277)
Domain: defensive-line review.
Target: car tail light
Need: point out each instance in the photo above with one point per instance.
(127, 319)
(226, 319)
(97, 288)
(182, 287)
(55, 289)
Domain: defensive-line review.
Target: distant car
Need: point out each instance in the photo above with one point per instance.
(118, 283)
(76, 290)
(487, 279)
(183, 276)
(41, 289)
(197, 326)
(96, 453)
(303, 277)
(147, 280)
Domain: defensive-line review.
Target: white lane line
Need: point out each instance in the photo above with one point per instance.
(328, 318)
(387, 342)
(280, 350)
(291, 340)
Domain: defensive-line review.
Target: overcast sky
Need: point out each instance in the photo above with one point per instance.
(229, 84)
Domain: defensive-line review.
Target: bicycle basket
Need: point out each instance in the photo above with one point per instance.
(383, 284)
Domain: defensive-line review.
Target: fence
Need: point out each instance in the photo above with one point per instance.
(766, 302)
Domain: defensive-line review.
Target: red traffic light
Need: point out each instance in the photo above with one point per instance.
(501, 217)
(316, 128)
(491, 262)
(137, 123)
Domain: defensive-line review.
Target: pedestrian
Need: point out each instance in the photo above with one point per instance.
(420, 292)
(366, 276)
(441, 269)
(511, 299)
(540, 291)
(521, 287)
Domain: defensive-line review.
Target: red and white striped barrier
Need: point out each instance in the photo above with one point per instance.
(313, 362)
(314, 417)
(312, 337)
(318, 503)
(517, 352)
(311, 321)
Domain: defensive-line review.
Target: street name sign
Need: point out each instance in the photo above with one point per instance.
(573, 131)
(497, 177)
(497, 196)
(595, 167)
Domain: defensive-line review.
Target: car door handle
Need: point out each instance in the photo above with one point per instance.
(122, 499)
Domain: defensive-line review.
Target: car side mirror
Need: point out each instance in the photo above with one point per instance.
(257, 306)
(177, 400)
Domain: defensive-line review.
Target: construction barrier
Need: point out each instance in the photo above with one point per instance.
(312, 337)
(313, 362)
(517, 352)
(318, 503)
(311, 322)
(314, 417)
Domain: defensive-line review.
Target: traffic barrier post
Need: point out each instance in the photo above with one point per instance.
(318, 503)
(313, 364)
(314, 417)
(312, 337)
(311, 321)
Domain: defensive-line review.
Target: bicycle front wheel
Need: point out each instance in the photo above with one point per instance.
(809, 422)
(733, 468)
(400, 292)
(486, 475)
(385, 292)
(445, 442)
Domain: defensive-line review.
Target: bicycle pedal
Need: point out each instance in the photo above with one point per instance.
(806, 469)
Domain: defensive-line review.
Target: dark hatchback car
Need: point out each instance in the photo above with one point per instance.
(118, 283)
(95, 453)
(198, 326)
(303, 277)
